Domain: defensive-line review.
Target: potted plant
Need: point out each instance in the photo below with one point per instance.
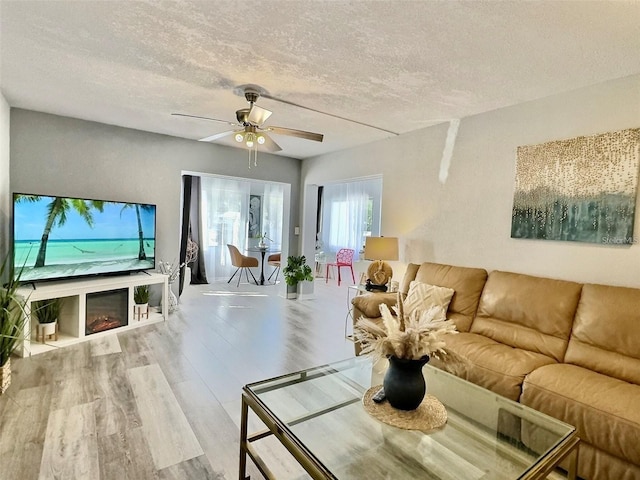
(295, 272)
(47, 312)
(12, 320)
(141, 300)
(407, 341)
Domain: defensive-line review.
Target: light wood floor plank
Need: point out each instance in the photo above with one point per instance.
(194, 468)
(116, 407)
(206, 415)
(105, 345)
(22, 433)
(70, 447)
(165, 427)
(126, 456)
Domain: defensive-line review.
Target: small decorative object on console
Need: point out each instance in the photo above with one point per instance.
(173, 272)
(47, 313)
(141, 300)
(262, 243)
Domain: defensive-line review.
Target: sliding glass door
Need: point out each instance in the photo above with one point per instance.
(236, 211)
(225, 210)
(350, 211)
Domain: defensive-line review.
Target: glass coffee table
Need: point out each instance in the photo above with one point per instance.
(318, 416)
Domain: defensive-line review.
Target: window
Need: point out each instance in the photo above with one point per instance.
(350, 211)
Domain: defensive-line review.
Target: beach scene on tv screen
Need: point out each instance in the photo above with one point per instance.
(59, 237)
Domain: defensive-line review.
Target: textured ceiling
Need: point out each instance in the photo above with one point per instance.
(398, 65)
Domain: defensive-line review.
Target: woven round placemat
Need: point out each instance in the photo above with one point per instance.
(429, 415)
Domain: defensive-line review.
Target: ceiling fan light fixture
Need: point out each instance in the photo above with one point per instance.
(239, 137)
(250, 139)
(261, 139)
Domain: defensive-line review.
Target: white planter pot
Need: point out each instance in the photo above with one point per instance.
(47, 330)
(141, 310)
(292, 291)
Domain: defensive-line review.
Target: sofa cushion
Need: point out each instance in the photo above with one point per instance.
(409, 276)
(369, 304)
(423, 296)
(490, 364)
(606, 332)
(604, 410)
(467, 284)
(596, 464)
(527, 312)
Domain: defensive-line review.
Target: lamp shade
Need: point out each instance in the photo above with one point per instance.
(381, 248)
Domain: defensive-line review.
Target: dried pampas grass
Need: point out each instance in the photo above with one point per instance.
(404, 336)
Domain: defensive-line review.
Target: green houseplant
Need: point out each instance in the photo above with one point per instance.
(12, 320)
(141, 294)
(141, 300)
(47, 312)
(295, 272)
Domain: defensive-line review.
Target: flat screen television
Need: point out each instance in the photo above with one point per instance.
(62, 237)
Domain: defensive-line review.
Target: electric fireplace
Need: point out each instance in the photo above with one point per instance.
(107, 310)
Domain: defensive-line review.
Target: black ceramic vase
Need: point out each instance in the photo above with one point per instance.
(404, 384)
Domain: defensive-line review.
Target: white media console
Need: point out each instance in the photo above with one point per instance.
(72, 323)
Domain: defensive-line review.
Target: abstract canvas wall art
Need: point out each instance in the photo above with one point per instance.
(582, 189)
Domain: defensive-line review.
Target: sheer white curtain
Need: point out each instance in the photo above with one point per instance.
(345, 207)
(224, 220)
(273, 209)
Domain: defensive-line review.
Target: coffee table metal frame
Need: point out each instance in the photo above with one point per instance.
(567, 448)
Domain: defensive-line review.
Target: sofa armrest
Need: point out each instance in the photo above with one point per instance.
(369, 305)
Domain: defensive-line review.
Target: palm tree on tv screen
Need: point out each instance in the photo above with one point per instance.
(147, 208)
(57, 212)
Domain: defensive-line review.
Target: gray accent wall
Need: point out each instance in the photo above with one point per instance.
(55, 155)
(467, 219)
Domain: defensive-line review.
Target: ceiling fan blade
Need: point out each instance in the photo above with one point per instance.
(317, 137)
(258, 115)
(218, 136)
(206, 118)
(269, 144)
(264, 94)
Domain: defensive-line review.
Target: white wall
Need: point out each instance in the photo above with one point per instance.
(5, 204)
(64, 156)
(467, 221)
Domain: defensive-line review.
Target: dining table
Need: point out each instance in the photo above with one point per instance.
(262, 251)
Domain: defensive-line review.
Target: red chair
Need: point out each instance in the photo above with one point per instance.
(344, 258)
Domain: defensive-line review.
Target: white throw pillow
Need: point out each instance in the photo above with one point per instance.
(422, 297)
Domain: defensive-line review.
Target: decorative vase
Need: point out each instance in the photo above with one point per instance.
(404, 384)
(172, 301)
(5, 376)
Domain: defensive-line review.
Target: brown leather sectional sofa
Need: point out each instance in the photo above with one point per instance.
(567, 349)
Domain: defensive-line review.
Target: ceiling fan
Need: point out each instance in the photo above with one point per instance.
(250, 122)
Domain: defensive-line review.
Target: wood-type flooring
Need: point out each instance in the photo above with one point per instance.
(163, 401)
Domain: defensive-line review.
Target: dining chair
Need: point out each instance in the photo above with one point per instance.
(274, 261)
(243, 262)
(344, 258)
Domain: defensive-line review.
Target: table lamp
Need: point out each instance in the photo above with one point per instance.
(379, 272)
